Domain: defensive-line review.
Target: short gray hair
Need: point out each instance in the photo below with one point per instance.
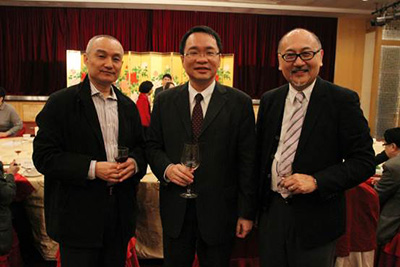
(94, 38)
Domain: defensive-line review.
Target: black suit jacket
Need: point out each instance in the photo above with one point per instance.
(158, 90)
(335, 147)
(69, 138)
(224, 179)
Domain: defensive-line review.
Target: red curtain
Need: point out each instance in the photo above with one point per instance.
(34, 42)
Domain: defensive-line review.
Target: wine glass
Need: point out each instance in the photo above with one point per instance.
(122, 155)
(191, 159)
(281, 176)
(17, 150)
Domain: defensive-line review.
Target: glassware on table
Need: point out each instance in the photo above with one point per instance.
(191, 159)
(122, 154)
(17, 146)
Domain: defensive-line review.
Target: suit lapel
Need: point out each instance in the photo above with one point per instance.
(89, 110)
(313, 110)
(122, 118)
(217, 101)
(182, 106)
(278, 107)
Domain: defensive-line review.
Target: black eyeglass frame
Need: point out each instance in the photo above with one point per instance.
(299, 55)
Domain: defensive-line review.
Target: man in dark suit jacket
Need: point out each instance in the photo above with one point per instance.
(89, 198)
(388, 189)
(165, 79)
(304, 209)
(224, 182)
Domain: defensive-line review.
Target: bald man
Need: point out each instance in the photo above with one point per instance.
(89, 198)
(313, 144)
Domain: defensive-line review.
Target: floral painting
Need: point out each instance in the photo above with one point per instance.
(139, 67)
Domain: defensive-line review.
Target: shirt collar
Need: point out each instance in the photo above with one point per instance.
(307, 92)
(3, 105)
(206, 93)
(94, 91)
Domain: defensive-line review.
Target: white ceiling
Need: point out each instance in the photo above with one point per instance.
(330, 8)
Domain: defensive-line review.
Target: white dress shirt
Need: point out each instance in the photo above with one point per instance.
(287, 114)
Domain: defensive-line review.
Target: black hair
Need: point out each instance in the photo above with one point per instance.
(2, 92)
(145, 87)
(204, 29)
(392, 136)
(167, 75)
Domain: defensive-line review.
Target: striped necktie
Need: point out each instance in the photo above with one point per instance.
(291, 138)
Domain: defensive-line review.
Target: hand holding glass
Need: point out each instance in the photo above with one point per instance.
(123, 153)
(191, 159)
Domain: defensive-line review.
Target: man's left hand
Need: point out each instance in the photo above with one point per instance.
(299, 183)
(243, 227)
(126, 169)
(3, 134)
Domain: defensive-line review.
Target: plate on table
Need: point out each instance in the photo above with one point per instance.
(31, 173)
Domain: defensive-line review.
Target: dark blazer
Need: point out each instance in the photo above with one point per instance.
(69, 138)
(224, 179)
(388, 189)
(335, 147)
(158, 90)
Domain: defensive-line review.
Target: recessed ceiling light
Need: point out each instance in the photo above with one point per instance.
(364, 0)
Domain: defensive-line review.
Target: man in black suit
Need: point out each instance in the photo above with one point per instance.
(165, 79)
(224, 182)
(90, 199)
(313, 144)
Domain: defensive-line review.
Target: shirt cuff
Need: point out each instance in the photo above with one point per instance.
(92, 170)
(136, 166)
(165, 173)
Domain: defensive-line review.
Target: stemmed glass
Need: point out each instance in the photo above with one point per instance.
(122, 155)
(18, 150)
(191, 159)
(281, 189)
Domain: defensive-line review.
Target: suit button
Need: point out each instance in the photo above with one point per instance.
(272, 156)
(277, 138)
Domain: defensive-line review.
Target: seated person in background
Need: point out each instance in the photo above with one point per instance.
(7, 193)
(143, 104)
(169, 85)
(10, 123)
(388, 189)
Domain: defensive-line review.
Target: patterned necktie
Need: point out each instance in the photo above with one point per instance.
(197, 117)
(291, 138)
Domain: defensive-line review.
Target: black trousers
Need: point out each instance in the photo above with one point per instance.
(112, 253)
(278, 244)
(180, 251)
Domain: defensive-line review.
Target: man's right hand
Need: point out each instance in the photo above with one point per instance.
(107, 171)
(179, 174)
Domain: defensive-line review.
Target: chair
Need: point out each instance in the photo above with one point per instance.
(389, 255)
(13, 258)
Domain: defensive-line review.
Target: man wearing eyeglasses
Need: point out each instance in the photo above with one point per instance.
(220, 120)
(388, 188)
(313, 144)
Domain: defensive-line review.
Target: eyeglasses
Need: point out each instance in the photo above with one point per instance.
(196, 55)
(305, 56)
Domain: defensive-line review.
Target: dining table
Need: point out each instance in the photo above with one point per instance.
(148, 230)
